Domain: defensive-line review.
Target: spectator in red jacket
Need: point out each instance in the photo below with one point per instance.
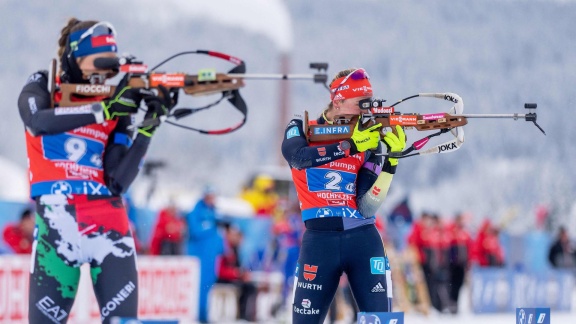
(168, 234)
(231, 271)
(438, 257)
(432, 241)
(19, 236)
(460, 251)
(416, 237)
(488, 251)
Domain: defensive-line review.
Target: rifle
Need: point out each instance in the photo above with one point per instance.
(206, 82)
(374, 112)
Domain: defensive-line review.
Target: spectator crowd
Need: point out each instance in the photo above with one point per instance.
(447, 250)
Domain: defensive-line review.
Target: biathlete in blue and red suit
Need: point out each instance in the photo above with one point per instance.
(81, 159)
(340, 186)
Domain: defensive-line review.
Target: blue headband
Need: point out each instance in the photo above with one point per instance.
(97, 39)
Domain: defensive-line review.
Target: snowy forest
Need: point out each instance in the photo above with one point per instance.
(496, 54)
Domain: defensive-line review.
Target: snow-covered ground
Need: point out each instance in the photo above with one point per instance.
(465, 316)
(506, 318)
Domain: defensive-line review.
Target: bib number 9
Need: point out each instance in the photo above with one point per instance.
(75, 149)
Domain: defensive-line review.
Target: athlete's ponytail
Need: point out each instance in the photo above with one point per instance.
(72, 25)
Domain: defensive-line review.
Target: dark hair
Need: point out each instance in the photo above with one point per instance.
(26, 213)
(72, 25)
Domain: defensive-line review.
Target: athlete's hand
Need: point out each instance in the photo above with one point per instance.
(124, 101)
(158, 109)
(395, 143)
(363, 140)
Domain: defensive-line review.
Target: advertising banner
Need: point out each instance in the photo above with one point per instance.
(168, 289)
(503, 290)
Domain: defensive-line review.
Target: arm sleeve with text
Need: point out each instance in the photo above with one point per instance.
(300, 155)
(34, 105)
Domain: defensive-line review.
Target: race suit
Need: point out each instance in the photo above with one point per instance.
(77, 170)
(339, 238)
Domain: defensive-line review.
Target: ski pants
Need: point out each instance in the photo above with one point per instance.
(73, 231)
(324, 256)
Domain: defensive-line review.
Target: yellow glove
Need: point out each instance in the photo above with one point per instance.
(395, 143)
(363, 140)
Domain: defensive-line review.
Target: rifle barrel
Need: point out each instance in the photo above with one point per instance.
(272, 76)
(515, 116)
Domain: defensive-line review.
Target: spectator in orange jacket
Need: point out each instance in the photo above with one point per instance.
(19, 236)
(168, 234)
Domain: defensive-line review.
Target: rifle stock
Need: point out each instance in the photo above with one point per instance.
(341, 130)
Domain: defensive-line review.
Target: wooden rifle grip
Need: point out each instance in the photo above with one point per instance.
(84, 91)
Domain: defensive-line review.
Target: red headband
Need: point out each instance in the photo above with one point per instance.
(356, 84)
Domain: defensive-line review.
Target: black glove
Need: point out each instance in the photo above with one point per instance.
(158, 109)
(125, 100)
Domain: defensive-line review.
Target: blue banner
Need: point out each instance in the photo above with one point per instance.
(503, 290)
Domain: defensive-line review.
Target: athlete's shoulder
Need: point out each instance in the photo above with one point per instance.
(37, 77)
(296, 120)
(36, 84)
(295, 126)
(294, 129)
